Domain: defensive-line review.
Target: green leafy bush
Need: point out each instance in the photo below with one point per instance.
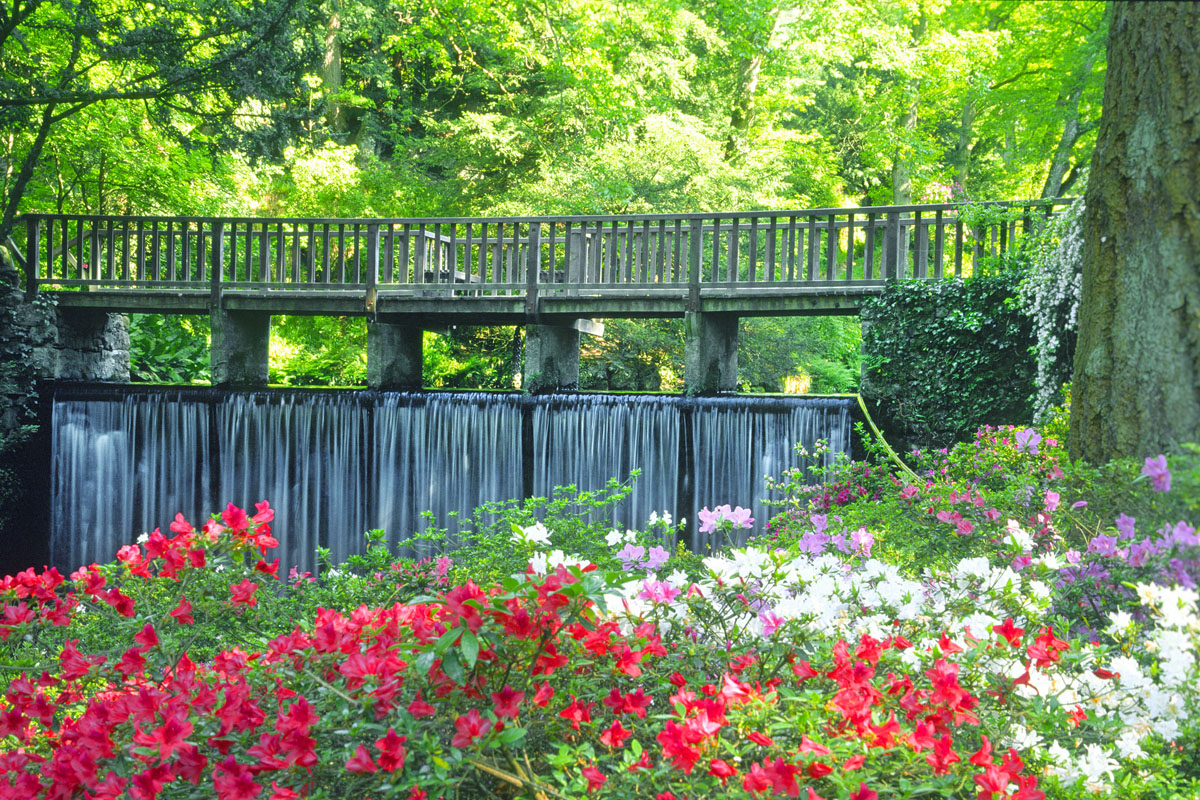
(944, 357)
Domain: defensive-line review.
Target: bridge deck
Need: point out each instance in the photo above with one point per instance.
(753, 263)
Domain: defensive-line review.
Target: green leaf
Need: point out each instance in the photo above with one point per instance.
(470, 648)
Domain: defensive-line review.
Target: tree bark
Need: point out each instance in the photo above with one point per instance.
(742, 112)
(1136, 385)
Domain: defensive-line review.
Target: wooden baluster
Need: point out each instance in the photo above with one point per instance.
(772, 239)
(869, 248)
(610, 255)
(676, 271)
(814, 257)
(141, 249)
(483, 252)
(958, 246)
(125, 250)
(850, 246)
(791, 247)
(185, 236)
(752, 267)
(731, 259)
(714, 271)
(660, 255)
(171, 249)
(831, 248)
(920, 247)
(628, 270)
(939, 245)
(643, 254)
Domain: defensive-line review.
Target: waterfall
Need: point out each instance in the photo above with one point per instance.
(334, 464)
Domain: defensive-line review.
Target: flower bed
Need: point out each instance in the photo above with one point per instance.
(820, 663)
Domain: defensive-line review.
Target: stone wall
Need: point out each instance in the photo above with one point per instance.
(39, 341)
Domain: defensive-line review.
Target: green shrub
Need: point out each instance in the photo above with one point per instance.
(945, 357)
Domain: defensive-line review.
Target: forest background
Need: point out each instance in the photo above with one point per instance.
(363, 108)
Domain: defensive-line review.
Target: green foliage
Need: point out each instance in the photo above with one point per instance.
(945, 357)
(318, 351)
(168, 349)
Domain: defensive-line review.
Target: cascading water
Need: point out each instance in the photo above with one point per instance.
(335, 464)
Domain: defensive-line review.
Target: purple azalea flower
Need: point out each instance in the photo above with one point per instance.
(863, 540)
(820, 522)
(1156, 470)
(656, 558)
(1185, 535)
(1051, 501)
(630, 554)
(709, 519)
(1103, 545)
(1139, 553)
(740, 517)
(1126, 526)
(838, 540)
(1028, 440)
(814, 543)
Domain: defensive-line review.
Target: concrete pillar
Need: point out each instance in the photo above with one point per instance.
(709, 352)
(551, 358)
(240, 344)
(91, 345)
(394, 356)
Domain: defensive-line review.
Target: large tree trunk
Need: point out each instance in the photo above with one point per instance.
(960, 156)
(1136, 388)
(742, 112)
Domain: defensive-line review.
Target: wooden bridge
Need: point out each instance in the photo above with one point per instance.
(540, 271)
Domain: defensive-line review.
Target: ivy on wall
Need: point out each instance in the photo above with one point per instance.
(942, 358)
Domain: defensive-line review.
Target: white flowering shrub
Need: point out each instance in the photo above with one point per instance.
(1050, 295)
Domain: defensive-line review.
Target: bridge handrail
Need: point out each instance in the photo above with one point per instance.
(516, 256)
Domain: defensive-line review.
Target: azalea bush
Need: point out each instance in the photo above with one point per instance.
(1049, 651)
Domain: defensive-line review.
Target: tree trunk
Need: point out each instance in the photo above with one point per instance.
(1073, 129)
(1136, 389)
(960, 156)
(331, 72)
(743, 99)
(901, 160)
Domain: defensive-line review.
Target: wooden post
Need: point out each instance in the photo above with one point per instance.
(694, 257)
(372, 266)
(533, 265)
(218, 264)
(33, 254)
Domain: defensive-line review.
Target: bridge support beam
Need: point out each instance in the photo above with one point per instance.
(394, 356)
(551, 358)
(240, 344)
(709, 352)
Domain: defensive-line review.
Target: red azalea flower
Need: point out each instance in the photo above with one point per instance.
(507, 702)
(595, 778)
(183, 612)
(758, 738)
(641, 763)
(1009, 632)
(722, 769)
(543, 695)
(243, 593)
(391, 751)
(271, 569)
(942, 756)
(361, 761)
(419, 708)
(864, 793)
(615, 735)
(983, 756)
(235, 518)
(469, 728)
(807, 745)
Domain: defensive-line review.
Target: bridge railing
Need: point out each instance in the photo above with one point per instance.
(519, 256)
